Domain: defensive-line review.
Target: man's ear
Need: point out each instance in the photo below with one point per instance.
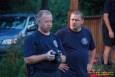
(82, 21)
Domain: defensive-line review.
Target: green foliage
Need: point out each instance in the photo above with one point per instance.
(12, 64)
(91, 7)
(60, 9)
(28, 6)
(13, 6)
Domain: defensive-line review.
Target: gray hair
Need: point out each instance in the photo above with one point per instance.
(41, 13)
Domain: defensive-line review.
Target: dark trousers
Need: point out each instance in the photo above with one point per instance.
(46, 74)
(70, 73)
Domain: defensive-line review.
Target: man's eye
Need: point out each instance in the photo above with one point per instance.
(75, 19)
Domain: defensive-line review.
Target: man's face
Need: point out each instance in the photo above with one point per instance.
(75, 21)
(45, 23)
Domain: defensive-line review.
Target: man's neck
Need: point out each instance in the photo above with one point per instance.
(76, 30)
(43, 32)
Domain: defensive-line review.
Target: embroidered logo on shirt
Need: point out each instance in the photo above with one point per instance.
(84, 41)
(55, 43)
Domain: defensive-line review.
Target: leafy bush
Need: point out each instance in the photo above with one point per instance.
(12, 64)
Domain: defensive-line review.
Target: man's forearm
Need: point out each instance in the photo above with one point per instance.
(93, 55)
(35, 59)
(107, 22)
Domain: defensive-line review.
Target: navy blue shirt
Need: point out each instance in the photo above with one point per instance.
(37, 44)
(77, 46)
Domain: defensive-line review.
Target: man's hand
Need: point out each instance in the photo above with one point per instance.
(90, 68)
(50, 55)
(111, 34)
(63, 67)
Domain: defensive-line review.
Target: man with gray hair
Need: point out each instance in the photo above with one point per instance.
(42, 49)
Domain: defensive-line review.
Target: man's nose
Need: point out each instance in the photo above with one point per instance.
(74, 21)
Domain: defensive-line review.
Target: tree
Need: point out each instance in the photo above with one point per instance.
(91, 7)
